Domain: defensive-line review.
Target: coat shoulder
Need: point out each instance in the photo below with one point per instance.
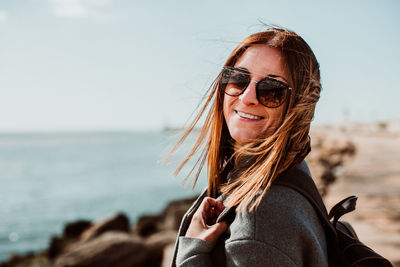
(286, 221)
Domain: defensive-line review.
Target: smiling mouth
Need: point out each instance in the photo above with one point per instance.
(248, 116)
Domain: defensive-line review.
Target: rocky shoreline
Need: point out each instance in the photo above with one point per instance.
(112, 242)
(149, 242)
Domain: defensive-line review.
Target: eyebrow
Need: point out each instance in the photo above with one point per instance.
(242, 69)
(276, 76)
(268, 75)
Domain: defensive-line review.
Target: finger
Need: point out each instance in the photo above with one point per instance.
(211, 214)
(209, 205)
(220, 228)
(211, 217)
(215, 231)
(220, 206)
(209, 210)
(205, 207)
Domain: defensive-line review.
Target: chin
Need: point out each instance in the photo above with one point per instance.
(243, 138)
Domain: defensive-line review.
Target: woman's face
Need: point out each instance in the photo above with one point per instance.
(245, 117)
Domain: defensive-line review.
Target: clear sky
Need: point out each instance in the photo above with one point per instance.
(144, 64)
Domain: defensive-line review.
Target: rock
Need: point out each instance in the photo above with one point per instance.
(161, 239)
(113, 248)
(58, 245)
(119, 222)
(71, 234)
(80, 231)
(169, 219)
(75, 229)
(148, 225)
(174, 212)
(108, 243)
(28, 260)
(156, 244)
(167, 255)
(329, 153)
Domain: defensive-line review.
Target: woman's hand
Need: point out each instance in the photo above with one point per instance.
(203, 224)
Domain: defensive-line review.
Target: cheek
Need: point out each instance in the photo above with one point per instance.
(274, 119)
(227, 103)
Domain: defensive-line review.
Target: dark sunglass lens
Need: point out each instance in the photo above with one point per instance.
(239, 79)
(226, 76)
(234, 81)
(271, 93)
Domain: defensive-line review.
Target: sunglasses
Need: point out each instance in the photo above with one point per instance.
(270, 92)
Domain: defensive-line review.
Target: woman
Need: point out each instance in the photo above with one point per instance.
(262, 104)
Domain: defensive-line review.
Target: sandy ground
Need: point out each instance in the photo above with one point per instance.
(373, 174)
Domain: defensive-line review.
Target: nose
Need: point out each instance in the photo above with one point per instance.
(249, 96)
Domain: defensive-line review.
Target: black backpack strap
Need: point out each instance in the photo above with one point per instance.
(344, 248)
(301, 182)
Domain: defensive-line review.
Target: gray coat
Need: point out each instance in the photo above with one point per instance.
(283, 231)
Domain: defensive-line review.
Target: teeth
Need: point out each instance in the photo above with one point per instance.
(248, 116)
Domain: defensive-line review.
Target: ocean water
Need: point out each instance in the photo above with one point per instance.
(50, 179)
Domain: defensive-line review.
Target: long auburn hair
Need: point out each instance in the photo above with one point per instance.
(273, 154)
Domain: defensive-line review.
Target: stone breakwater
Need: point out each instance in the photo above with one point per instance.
(342, 161)
(112, 242)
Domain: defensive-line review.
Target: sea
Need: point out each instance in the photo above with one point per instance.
(50, 179)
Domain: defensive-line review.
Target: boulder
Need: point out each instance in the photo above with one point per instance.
(169, 219)
(118, 222)
(113, 248)
(29, 260)
(174, 212)
(156, 244)
(75, 229)
(80, 231)
(328, 156)
(110, 242)
(71, 234)
(148, 225)
(167, 255)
